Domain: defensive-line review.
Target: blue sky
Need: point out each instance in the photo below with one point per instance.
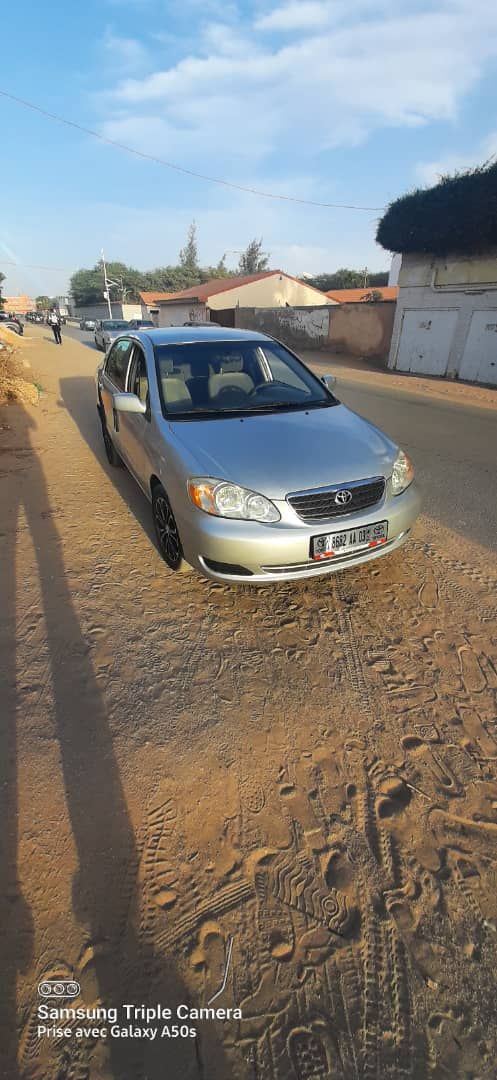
(347, 101)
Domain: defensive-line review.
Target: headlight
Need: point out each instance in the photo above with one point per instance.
(227, 500)
(403, 473)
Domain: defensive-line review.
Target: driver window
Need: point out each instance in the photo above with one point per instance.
(117, 363)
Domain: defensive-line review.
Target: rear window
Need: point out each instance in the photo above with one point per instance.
(115, 324)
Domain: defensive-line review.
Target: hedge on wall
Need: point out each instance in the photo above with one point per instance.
(457, 216)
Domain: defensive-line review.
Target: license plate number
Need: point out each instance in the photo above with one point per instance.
(368, 536)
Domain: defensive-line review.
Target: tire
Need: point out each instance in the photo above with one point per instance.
(166, 531)
(110, 450)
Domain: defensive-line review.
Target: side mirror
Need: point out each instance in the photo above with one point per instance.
(329, 381)
(129, 403)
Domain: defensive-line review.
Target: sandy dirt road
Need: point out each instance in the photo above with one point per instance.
(308, 772)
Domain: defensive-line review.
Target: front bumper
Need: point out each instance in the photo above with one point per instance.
(254, 553)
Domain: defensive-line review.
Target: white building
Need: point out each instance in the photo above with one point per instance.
(217, 300)
(446, 318)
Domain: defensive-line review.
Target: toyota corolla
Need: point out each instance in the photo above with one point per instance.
(256, 472)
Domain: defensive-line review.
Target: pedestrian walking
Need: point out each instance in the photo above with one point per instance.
(54, 321)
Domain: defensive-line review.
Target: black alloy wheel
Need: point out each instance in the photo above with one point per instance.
(166, 530)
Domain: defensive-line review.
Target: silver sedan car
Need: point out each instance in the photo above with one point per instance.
(106, 331)
(255, 470)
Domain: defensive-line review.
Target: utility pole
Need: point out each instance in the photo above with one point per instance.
(106, 285)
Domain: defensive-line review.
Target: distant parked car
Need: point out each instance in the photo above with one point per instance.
(87, 324)
(12, 322)
(108, 329)
(140, 324)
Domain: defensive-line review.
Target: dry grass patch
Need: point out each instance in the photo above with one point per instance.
(16, 376)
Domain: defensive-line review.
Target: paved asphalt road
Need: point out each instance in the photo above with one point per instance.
(453, 445)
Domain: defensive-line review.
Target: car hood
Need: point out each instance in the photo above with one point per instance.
(278, 453)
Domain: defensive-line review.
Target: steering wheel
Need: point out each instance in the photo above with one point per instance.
(226, 391)
(263, 387)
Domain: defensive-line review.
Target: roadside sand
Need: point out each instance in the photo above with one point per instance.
(308, 770)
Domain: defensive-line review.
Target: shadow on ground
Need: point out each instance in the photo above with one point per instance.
(125, 967)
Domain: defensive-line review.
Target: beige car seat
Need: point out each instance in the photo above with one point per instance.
(176, 394)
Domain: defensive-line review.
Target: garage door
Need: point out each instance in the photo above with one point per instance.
(425, 341)
(479, 361)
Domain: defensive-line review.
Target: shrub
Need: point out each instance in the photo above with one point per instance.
(456, 216)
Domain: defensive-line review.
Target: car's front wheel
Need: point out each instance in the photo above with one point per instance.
(166, 531)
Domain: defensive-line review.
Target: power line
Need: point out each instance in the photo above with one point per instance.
(32, 266)
(181, 168)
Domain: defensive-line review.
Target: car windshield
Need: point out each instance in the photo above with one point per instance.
(207, 379)
(115, 324)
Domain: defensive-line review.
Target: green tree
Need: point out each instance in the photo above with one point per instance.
(380, 279)
(43, 303)
(374, 296)
(207, 273)
(2, 279)
(168, 279)
(253, 260)
(188, 256)
(87, 286)
(347, 279)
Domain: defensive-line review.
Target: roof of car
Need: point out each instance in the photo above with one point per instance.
(184, 335)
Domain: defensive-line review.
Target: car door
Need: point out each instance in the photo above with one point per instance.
(113, 381)
(135, 429)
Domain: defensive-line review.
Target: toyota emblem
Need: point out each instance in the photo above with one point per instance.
(343, 497)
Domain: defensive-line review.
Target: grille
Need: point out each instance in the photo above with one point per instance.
(321, 505)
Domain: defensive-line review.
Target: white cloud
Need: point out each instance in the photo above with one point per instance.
(295, 16)
(429, 172)
(373, 66)
(124, 53)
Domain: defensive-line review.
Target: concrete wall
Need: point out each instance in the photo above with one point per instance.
(446, 318)
(305, 328)
(271, 292)
(393, 276)
(420, 271)
(101, 311)
(362, 329)
(353, 329)
(177, 313)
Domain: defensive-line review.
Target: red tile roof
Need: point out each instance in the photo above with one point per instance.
(220, 285)
(153, 297)
(217, 285)
(355, 296)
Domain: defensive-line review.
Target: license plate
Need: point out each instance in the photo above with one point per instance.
(368, 536)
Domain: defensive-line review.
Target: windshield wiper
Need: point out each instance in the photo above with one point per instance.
(287, 405)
